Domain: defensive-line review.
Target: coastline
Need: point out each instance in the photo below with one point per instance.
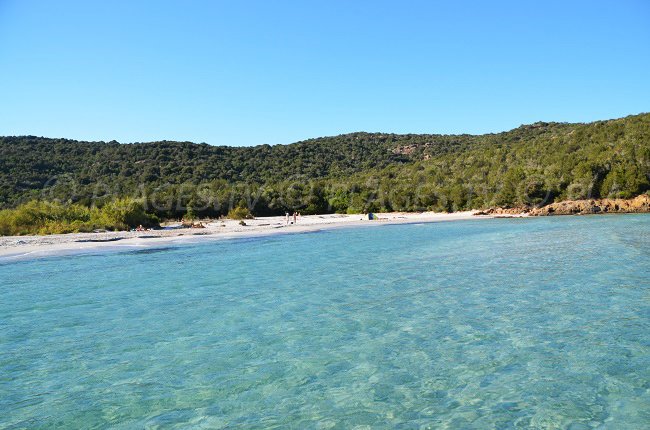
(14, 248)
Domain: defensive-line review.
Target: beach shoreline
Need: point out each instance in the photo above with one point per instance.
(27, 247)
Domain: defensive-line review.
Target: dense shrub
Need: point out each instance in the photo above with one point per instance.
(38, 217)
(240, 213)
(121, 214)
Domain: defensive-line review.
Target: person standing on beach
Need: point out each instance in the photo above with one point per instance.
(287, 215)
(295, 217)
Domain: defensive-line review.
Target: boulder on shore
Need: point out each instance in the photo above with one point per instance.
(496, 211)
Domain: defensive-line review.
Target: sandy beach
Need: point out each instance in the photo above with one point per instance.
(21, 247)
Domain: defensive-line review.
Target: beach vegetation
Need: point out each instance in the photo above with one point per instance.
(42, 217)
(240, 213)
(190, 215)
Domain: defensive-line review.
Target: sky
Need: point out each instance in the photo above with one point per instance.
(271, 72)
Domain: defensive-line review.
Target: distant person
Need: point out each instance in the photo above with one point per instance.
(287, 215)
(295, 217)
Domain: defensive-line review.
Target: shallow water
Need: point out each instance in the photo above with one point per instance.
(530, 323)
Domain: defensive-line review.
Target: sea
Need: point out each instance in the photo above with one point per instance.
(539, 323)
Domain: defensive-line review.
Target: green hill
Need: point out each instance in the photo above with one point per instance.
(532, 164)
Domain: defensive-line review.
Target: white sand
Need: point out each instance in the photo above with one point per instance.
(21, 247)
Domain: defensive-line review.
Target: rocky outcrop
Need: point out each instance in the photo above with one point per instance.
(519, 210)
(639, 204)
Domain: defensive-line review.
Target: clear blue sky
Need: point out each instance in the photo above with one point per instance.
(254, 72)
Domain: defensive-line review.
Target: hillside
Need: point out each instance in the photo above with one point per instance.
(532, 164)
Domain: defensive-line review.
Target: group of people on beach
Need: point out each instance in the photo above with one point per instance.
(296, 217)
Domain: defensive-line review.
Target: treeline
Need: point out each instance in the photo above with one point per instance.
(531, 165)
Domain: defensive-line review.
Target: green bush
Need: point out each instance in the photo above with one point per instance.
(122, 214)
(39, 217)
(190, 215)
(240, 213)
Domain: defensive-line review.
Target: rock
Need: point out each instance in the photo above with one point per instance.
(518, 210)
(639, 204)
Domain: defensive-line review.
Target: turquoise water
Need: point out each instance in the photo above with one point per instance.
(534, 323)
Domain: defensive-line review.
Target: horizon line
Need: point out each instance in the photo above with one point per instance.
(113, 141)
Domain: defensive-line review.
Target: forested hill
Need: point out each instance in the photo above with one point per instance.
(531, 164)
(34, 160)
